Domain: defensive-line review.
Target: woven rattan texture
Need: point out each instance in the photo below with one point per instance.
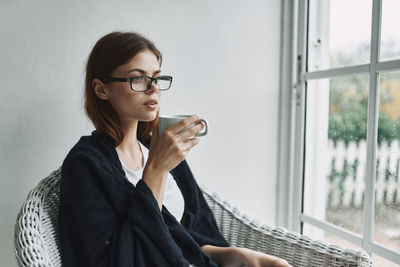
(35, 233)
(297, 249)
(36, 239)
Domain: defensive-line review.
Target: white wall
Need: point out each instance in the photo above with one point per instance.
(224, 56)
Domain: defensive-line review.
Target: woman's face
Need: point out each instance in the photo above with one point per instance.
(128, 104)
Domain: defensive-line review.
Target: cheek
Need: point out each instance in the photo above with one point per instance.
(125, 102)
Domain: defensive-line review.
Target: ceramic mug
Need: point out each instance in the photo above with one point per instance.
(166, 121)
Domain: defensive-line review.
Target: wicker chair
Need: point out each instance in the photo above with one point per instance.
(36, 241)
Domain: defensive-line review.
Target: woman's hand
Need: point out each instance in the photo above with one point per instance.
(166, 152)
(254, 258)
(170, 149)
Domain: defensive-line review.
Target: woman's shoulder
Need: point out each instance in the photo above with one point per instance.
(92, 147)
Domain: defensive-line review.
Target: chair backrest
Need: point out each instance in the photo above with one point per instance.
(35, 232)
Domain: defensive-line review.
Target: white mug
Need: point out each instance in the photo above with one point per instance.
(166, 121)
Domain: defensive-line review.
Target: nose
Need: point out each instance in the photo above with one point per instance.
(153, 88)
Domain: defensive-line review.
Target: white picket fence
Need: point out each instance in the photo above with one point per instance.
(346, 182)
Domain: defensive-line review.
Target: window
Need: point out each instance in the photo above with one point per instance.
(345, 178)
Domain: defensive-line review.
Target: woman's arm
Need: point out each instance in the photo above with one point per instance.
(224, 256)
(234, 256)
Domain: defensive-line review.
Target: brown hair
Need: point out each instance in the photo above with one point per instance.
(110, 52)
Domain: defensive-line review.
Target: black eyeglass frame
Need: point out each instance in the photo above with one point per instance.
(129, 80)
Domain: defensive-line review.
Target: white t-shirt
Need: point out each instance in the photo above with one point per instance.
(173, 198)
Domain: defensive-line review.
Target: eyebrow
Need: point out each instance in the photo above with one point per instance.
(144, 72)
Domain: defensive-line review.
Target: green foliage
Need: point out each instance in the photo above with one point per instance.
(352, 127)
(386, 128)
(348, 99)
(348, 127)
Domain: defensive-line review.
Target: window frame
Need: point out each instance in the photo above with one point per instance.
(294, 78)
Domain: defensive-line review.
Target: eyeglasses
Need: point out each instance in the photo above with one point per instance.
(142, 83)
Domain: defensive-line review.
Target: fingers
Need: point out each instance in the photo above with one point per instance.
(180, 126)
(190, 143)
(197, 127)
(181, 129)
(181, 136)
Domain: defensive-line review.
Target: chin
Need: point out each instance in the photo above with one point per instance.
(149, 117)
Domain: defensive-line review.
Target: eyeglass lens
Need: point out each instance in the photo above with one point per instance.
(142, 83)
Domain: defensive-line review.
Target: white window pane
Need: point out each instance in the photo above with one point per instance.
(387, 185)
(339, 33)
(335, 150)
(379, 261)
(390, 33)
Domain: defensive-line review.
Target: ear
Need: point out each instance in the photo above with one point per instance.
(100, 89)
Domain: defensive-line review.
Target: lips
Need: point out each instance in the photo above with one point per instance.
(151, 102)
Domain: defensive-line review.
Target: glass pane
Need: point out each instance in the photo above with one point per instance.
(390, 37)
(318, 234)
(387, 185)
(379, 261)
(339, 33)
(335, 150)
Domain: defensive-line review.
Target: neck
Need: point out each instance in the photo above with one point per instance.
(129, 150)
(129, 144)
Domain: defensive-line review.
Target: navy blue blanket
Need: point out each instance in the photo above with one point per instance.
(106, 221)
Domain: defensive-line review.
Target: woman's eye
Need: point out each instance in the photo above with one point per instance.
(138, 79)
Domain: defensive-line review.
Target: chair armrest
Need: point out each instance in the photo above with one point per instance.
(240, 231)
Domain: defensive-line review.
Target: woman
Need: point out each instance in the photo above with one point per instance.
(127, 196)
